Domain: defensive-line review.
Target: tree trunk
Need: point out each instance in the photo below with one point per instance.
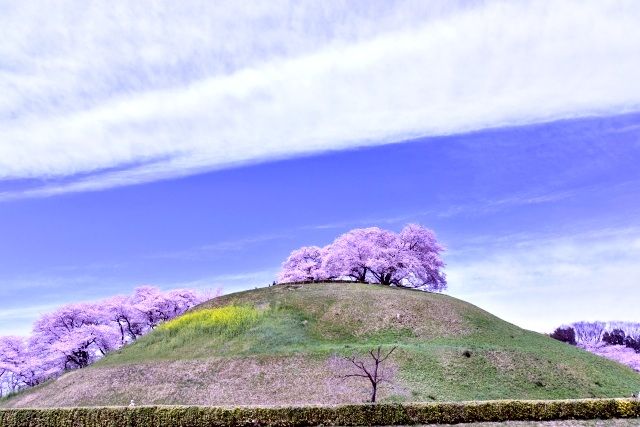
(121, 332)
(385, 279)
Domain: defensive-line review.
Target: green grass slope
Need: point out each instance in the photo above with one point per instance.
(274, 346)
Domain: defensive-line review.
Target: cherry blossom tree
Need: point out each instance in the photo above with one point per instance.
(130, 322)
(20, 365)
(157, 306)
(11, 356)
(76, 335)
(350, 254)
(181, 300)
(303, 264)
(410, 258)
(424, 264)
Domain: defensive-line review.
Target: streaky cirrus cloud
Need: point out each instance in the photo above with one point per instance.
(559, 276)
(108, 95)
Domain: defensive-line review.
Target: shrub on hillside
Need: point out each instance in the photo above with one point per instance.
(615, 337)
(566, 334)
(632, 343)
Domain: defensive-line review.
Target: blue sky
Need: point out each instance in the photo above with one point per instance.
(197, 145)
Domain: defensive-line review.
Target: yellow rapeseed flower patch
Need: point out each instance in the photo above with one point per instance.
(228, 321)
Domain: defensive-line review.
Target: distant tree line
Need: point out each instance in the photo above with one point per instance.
(587, 334)
(411, 258)
(76, 335)
(619, 341)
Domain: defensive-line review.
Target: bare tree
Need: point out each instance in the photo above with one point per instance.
(372, 371)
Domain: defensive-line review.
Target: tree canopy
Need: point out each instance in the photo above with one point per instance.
(76, 335)
(411, 258)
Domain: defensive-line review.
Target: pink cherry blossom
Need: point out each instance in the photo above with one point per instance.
(76, 335)
(410, 258)
(303, 264)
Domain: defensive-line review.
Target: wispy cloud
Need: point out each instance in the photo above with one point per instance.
(179, 89)
(18, 321)
(45, 281)
(215, 248)
(475, 207)
(588, 276)
(228, 282)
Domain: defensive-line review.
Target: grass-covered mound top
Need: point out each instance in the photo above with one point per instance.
(275, 345)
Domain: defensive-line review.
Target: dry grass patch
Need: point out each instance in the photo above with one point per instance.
(218, 381)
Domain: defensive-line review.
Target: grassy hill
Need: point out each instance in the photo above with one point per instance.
(274, 346)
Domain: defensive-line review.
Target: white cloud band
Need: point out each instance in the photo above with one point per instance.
(469, 68)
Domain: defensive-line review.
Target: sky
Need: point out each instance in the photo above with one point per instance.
(195, 144)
